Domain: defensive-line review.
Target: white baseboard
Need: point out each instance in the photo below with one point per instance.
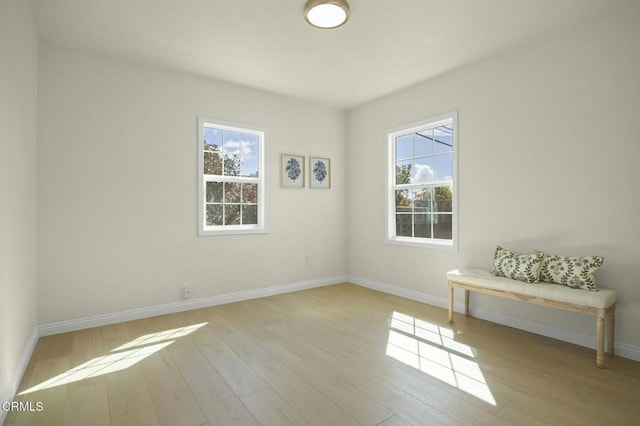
(10, 390)
(628, 351)
(170, 308)
(621, 349)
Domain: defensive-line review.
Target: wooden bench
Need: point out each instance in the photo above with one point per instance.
(601, 303)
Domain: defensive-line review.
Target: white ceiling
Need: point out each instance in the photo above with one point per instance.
(386, 45)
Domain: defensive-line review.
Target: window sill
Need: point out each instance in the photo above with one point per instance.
(432, 244)
(236, 231)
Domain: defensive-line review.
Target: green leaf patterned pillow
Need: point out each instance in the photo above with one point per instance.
(521, 267)
(576, 272)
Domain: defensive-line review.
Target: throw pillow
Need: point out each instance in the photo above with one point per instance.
(521, 267)
(576, 272)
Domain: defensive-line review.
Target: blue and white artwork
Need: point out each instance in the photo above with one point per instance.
(292, 171)
(320, 173)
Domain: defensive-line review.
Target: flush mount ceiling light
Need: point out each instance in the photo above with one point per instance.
(326, 13)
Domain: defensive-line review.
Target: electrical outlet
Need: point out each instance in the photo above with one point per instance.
(188, 289)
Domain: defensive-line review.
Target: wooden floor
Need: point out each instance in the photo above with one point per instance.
(337, 355)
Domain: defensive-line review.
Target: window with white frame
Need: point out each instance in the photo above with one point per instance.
(231, 178)
(421, 189)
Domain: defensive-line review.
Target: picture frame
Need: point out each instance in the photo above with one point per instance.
(292, 171)
(319, 173)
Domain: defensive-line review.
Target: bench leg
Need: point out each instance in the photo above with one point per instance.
(450, 303)
(611, 325)
(466, 303)
(600, 338)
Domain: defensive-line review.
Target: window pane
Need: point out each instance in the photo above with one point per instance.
(403, 225)
(231, 142)
(250, 153)
(422, 225)
(423, 170)
(424, 142)
(404, 147)
(249, 214)
(443, 139)
(443, 167)
(214, 192)
(250, 193)
(232, 214)
(212, 163)
(403, 201)
(443, 226)
(213, 138)
(403, 172)
(249, 167)
(231, 165)
(232, 192)
(249, 144)
(444, 199)
(214, 214)
(423, 200)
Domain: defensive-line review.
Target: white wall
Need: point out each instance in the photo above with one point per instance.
(117, 189)
(18, 107)
(549, 143)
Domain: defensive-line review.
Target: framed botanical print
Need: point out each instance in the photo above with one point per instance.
(319, 173)
(292, 171)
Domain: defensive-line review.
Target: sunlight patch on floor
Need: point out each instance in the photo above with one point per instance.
(160, 336)
(119, 359)
(432, 349)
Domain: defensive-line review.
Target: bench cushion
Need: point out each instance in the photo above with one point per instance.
(481, 278)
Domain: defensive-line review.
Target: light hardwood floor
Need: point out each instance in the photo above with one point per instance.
(337, 355)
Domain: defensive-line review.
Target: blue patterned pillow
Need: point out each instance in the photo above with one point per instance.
(576, 272)
(521, 267)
